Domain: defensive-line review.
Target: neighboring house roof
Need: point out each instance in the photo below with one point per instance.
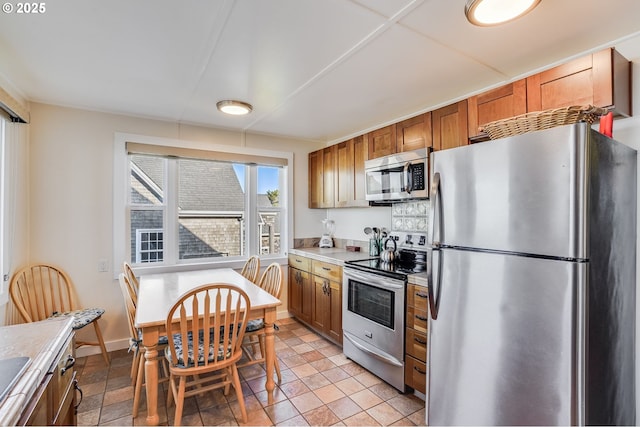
(204, 192)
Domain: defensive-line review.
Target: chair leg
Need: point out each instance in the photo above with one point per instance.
(138, 386)
(105, 355)
(180, 401)
(138, 355)
(236, 385)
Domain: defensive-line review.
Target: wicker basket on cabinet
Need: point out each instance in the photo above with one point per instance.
(539, 120)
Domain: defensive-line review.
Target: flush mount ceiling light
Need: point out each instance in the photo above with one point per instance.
(494, 12)
(236, 108)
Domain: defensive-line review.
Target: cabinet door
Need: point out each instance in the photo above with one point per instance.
(328, 176)
(335, 309)
(320, 314)
(307, 298)
(382, 142)
(601, 79)
(321, 177)
(294, 293)
(360, 155)
(501, 103)
(414, 133)
(344, 174)
(299, 294)
(450, 126)
(315, 179)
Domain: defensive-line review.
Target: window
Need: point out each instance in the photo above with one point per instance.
(186, 206)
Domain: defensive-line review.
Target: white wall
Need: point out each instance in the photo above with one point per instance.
(71, 187)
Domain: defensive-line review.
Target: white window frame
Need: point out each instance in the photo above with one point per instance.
(120, 215)
(4, 284)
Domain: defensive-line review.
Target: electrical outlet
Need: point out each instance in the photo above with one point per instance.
(103, 265)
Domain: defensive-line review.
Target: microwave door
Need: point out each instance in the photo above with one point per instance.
(386, 183)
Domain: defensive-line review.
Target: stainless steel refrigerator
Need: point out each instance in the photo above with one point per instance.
(532, 273)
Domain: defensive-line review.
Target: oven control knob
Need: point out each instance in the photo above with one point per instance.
(423, 240)
(407, 240)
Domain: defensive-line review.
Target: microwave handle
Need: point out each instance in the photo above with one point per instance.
(408, 177)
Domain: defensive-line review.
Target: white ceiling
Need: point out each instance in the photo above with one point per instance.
(313, 69)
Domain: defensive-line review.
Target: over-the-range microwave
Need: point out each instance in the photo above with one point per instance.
(401, 176)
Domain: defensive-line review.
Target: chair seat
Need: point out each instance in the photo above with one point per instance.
(134, 344)
(177, 339)
(81, 317)
(254, 325)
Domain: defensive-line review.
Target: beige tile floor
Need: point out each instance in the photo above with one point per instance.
(319, 387)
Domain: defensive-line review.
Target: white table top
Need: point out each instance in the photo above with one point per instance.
(158, 292)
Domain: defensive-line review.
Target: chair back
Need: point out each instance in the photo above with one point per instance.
(251, 268)
(131, 289)
(130, 307)
(216, 314)
(39, 291)
(271, 280)
(133, 280)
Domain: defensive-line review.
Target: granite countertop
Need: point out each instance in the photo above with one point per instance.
(41, 342)
(331, 255)
(340, 255)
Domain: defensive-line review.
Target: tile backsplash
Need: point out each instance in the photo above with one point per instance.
(410, 216)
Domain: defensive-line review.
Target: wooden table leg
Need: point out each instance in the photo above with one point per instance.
(270, 350)
(150, 342)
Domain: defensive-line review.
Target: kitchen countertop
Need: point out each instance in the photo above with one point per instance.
(340, 255)
(41, 342)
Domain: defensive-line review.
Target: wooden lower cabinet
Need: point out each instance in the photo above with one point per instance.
(315, 295)
(415, 374)
(300, 291)
(327, 308)
(54, 403)
(415, 369)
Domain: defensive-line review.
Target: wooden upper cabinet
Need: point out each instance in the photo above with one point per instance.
(344, 175)
(382, 142)
(360, 155)
(414, 133)
(350, 175)
(496, 104)
(601, 79)
(450, 126)
(315, 179)
(322, 170)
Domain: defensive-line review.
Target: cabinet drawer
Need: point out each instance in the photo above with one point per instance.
(416, 345)
(300, 262)
(64, 370)
(417, 319)
(415, 374)
(327, 270)
(417, 296)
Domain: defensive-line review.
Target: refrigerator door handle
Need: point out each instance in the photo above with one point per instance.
(433, 244)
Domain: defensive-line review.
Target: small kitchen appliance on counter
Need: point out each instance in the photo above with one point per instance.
(326, 240)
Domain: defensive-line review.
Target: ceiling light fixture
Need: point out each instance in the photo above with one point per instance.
(486, 13)
(236, 108)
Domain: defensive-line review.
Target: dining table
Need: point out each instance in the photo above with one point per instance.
(156, 295)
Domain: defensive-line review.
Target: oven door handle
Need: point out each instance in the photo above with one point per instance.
(374, 279)
(388, 360)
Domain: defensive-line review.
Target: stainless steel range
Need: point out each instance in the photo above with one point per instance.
(373, 315)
